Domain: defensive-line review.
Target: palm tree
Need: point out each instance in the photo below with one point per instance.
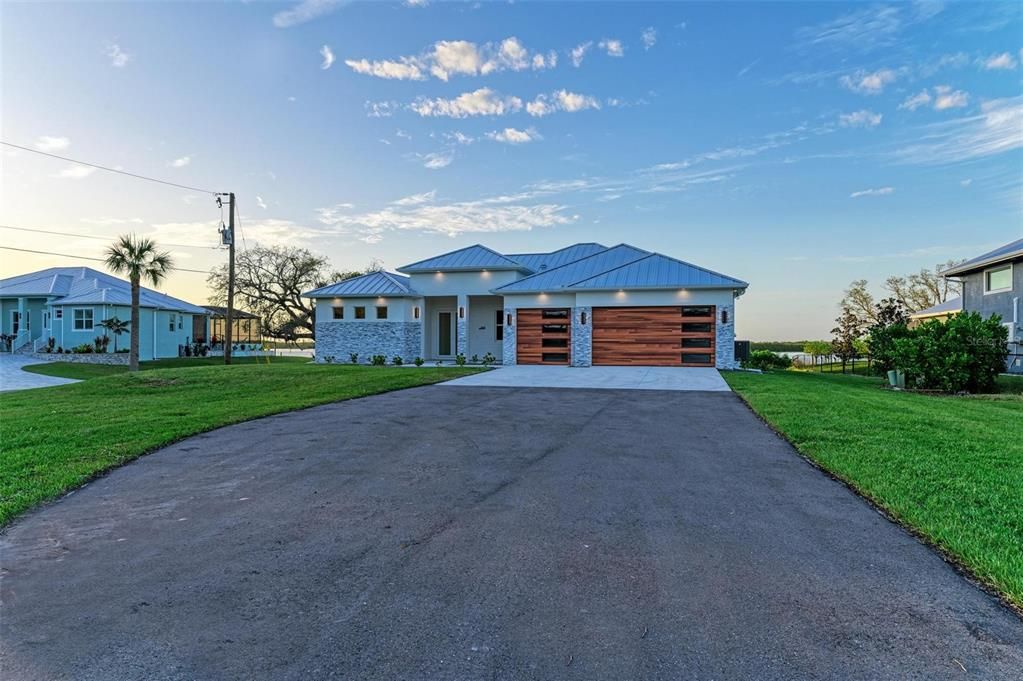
(115, 326)
(138, 259)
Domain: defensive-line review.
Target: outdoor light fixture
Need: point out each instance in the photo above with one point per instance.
(508, 321)
(582, 318)
(415, 312)
(461, 312)
(724, 316)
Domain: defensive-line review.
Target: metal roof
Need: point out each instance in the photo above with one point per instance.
(219, 311)
(475, 257)
(86, 286)
(1009, 251)
(657, 271)
(372, 284)
(577, 270)
(950, 305)
(545, 261)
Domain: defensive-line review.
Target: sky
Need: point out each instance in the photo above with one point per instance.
(796, 146)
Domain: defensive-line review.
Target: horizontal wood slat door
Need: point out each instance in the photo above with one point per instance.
(544, 336)
(654, 336)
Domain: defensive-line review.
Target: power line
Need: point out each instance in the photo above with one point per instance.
(94, 236)
(108, 169)
(84, 257)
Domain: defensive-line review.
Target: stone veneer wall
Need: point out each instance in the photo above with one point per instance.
(340, 339)
(111, 358)
(510, 347)
(582, 337)
(725, 341)
(462, 332)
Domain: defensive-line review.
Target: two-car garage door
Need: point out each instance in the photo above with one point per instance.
(681, 335)
(654, 336)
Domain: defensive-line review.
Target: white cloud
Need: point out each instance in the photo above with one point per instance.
(75, 172)
(548, 61)
(649, 37)
(455, 57)
(869, 83)
(914, 102)
(459, 138)
(180, 162)
(1003, 61)
(966, 183)
(880, 191)
(868, 28)
(612, 47)
(328, 57)
(416, 3)
(514, 136)
(50, 144)
(260, 202)
(995, 130)
(864, 118)
(579, 52)
(304, 11)
(447, 58)
(416, 199)
(392, 70)
(118, 57)
(561, 100)
(481, 102)
(947, 98)
(435, 161)
(402, 134)
(380, 109)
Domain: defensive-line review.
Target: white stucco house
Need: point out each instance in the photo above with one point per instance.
(586, 304)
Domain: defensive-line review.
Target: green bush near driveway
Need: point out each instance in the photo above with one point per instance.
(949, 467)
(55, 439)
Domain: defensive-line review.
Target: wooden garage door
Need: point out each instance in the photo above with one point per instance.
(544, 336)
(654, 336)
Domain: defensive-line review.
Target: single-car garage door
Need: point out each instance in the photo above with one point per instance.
(544, 336)
(654, 336)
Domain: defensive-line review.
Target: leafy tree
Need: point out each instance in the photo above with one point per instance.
(924, 288)
(817, 349)
(270, 281)
(859, 301)
(138, 259)
(116, 327)
(891, 320)
(847, 333)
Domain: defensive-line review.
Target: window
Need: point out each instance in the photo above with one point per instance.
(998, 279)
(59, 313)
(339, 311)
(181, 321)
(498, 324)
(696, 358)
(697, 311)
(381, 312)
(83, 318)
(170, 326)
(46, 320)
(360, 312)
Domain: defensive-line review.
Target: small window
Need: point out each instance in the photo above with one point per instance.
(339, 311)
(696, 342)
(697, 311)
(696, 358)
(59, 313)
(499, 325)
(360, 312)
(998, 279)
(554, 314)
(554, 343)
(181, 321)
(83, 318)
(381, 312)
(171, 325)
(695, 327)
(554, 328)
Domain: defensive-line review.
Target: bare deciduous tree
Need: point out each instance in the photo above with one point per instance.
(924, 288)
(859, 302)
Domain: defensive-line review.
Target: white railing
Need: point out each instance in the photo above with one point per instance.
(20, 339)
(39, 342)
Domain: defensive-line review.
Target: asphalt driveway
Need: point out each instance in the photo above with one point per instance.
(469, 533)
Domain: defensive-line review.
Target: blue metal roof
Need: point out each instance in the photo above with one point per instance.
(86, 286)
(1007, 252)
(577, 270)
(950, 305)
(657, 271)
(545, 261)
(475, 257)
(372, 284)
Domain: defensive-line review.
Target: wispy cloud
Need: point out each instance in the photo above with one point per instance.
(458, 137)
(437, 160)
(914, 102)
(864, 118)
(447, 58)
(995, 130)
(416, 199)
(867, 82)
(578, 53)
(118, 57)
(260, 202)
(947, 98)
(514, 135)
(1003, 61)
(50, 144)
(180, 162)
(614, 48)
(304, 11)
(867, 28)
(648, 37)
(561, 100)
(481, 102)
(328, 57)
(381, 109)
(880, 191)
(75, 172)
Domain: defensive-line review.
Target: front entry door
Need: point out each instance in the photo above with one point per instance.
(15, 322)
(445, 334)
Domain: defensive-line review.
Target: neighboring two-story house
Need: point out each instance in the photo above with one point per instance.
(582, 305)
(993, 284)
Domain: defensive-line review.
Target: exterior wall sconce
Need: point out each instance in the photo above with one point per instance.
(508, 321)
(582, 318)
(415, 312)
(724, 316)
(461, 312)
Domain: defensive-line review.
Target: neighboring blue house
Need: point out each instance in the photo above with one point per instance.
(582, 305)
(993, 284)
(68, 303)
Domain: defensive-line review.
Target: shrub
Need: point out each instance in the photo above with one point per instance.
(378, 360)
(967, 352)
(83, 349)
(766, 360)
(460, 359)
(354, 357)
(488, 359)
(475, 359)
(418, 361)
(397, 360)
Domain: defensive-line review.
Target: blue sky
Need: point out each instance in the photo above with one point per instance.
(796, 146)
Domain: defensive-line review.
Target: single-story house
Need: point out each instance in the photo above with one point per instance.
(585, 304)
(68, 304)
(941, 312)
(993, 284)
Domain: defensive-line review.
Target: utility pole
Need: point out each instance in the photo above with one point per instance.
(229, 317)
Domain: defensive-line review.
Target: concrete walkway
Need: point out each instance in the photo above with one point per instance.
(13, 378)
(606, 378)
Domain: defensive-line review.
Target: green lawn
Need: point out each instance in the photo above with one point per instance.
(950, 467)
(55, 439)
(85, 371)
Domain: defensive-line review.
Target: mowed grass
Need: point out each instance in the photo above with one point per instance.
(950, 467)
(86, 371)
(55, 439)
